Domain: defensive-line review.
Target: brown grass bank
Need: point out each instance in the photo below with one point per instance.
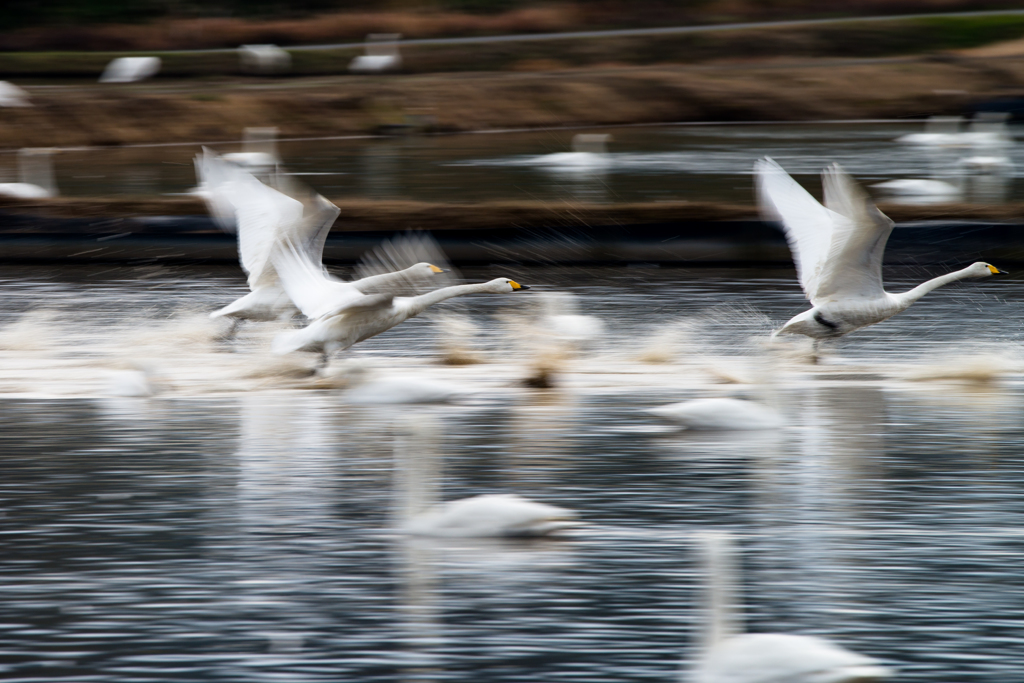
(219, 110)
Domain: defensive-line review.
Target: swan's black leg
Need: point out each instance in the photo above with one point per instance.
(325, 358)
(815, 351)
(229, 334)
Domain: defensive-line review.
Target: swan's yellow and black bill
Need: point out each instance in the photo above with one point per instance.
(435, 269)
(995, 271)
(516, 285)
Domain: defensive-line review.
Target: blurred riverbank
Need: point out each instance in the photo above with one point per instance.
(216, 110)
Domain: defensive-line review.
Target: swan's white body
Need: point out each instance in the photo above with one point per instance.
(720, 414)
(368, 389)
(559, 317)
(730, 656)
(343, 316)
(418, 471)
(130, 69)
(501, 514)
(777, 657)
(35, 175)
(838, 251)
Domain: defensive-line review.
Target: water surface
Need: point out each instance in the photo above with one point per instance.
(238, 525)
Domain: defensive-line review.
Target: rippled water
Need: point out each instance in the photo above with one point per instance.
(236, 526)
(705, 163)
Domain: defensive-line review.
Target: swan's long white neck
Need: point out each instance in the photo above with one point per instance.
(722, 601)
(416, 468)
(385, 279)
(907, 298)
(418, 304)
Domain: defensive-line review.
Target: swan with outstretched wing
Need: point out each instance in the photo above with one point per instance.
(838, 250)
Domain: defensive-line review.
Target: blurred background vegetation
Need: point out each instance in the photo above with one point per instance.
(183, 24)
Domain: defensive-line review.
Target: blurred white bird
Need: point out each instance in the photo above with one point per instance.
(720, 414)
(838, 251)
(559, 317)
(263, 59)
(367, 387)
(730, 656)
(418, 467)
(381, 54)
(589, 151)
(130, 69)
(259, 152)
(13, 96)
(35, 175)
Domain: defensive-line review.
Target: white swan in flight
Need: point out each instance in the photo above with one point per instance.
(719, 414)
(731, 656)
(418, 469)
(342, 314)
(838, 252)
(266, 216)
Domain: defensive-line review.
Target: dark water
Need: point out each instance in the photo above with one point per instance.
(233, 531)
(702, 163)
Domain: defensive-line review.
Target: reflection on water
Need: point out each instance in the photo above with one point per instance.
(238, 525)
(707, 163)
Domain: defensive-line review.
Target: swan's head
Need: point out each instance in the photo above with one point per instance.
(982, 269)
(502, 285)
(424, 270)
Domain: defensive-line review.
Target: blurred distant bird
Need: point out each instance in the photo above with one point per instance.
(418, 468)
(381, 54)
(559, 317)
(35, 175)
(730, 656)
(720, 414)
(838, 251)
(369, 388)
(589, 152)
(130, 69)
(259, 152)
(263, 59)
(13, 96)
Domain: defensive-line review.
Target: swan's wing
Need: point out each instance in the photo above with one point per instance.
(853, 267)
(808, 224)
(398, 254)
(310, 288)
(318, 215)
(211, 174)
(262, 214)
